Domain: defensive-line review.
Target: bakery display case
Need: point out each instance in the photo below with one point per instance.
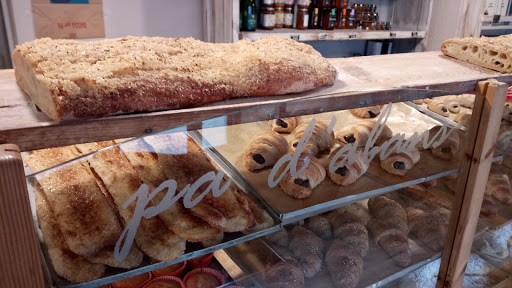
(115, 197)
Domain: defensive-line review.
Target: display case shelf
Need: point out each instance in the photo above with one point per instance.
(21, 123)
(345, 34)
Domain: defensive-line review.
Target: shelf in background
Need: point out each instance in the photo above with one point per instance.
(318, 34)
(497, 27)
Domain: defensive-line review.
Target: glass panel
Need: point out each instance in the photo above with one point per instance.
(366, 176)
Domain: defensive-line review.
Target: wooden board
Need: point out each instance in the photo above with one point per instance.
(372, 76)
(231, 141)
(346, 34)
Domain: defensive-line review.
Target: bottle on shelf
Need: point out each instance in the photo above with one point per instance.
(248, 15)
(268, 18)
(314, 19)
(279, 12)
(329, 18)
(288, 16)
(302, 18)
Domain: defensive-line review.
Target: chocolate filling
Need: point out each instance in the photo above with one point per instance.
(446, 149)
(444, 109)
(455, 106)
(300, 182)
(349, 138)
(295, 144)
(399, 165)
(343, 171)
(372, 115)
(258, 158)
(281, 123)
(509, 113)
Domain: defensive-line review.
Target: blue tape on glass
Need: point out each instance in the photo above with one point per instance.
(69, 1)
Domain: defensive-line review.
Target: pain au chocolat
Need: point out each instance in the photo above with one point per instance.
(71, 79)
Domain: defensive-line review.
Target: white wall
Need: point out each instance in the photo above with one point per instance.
(167, 18)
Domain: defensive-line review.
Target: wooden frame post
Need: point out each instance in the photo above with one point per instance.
(20, 264)
(474, 170)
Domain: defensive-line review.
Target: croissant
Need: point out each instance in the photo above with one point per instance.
(504, 138)
(400, 163)
(320, 226)
(366, 112)
(320, 140)
(389, 228)
(453, 105)
(308, 249)
(285, 272)
(463, 119)
(499, 187)
(264, 150)
(427, 100)
(349, 173)
(489, 207)
(448, 149)
(467, 100)
(439, 108)
(302, 186)
(279, 237)
(350, 228)
(344, 264)
(418, 101)
(360, 133)
(285, 125)
(428, 227)
(507, 112)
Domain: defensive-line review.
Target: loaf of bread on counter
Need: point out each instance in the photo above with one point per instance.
(70, 79)
(490, 52)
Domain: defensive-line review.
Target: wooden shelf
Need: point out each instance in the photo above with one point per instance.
(318, 34)
(374, 78)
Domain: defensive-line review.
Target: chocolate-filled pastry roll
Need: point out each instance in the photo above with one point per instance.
(439, 108)
(448, 149)
(264, 150)
(285, 125)
(320, 140)
(418, 101)
(453, 105)
(360, 134)
(366, 112)
(400, 163)
(467, 100)
(348, 173)
(302, 186)
(463, 119)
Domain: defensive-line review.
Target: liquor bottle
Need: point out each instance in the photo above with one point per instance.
(248, 12)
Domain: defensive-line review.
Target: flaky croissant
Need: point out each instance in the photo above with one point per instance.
(350, 228)
(428, 227)
(439, 108)
(320, 141)
(448, 149)
(499, 187)
(366, 112)
(285, 125)
(466, 100)
(320, 226)
(507, 112)
(349, 173)
(344, 264)
(360, 134)
(400, 163)
(308, 249)
(264, 150)
(389, 228)
(302, 186)
(418, 101)
(463, 119)
(285, 272)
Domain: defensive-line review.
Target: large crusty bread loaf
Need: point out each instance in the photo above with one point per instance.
(72, 79)
(494, 53)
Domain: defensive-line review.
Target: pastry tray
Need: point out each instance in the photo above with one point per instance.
(193, 250)
(327, 195)
(379, 269)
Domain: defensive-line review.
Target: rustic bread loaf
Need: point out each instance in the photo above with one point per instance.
(72, 79)
(494, 53)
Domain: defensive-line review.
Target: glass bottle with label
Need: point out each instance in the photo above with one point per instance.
(314, 18)
(248, 15)
(302, 18)
(329, 19)
(267, 3)
(268, 18)
(279, 12)
(288, 16)
(325, 3)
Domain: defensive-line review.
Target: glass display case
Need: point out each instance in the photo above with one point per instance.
(362, 183)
